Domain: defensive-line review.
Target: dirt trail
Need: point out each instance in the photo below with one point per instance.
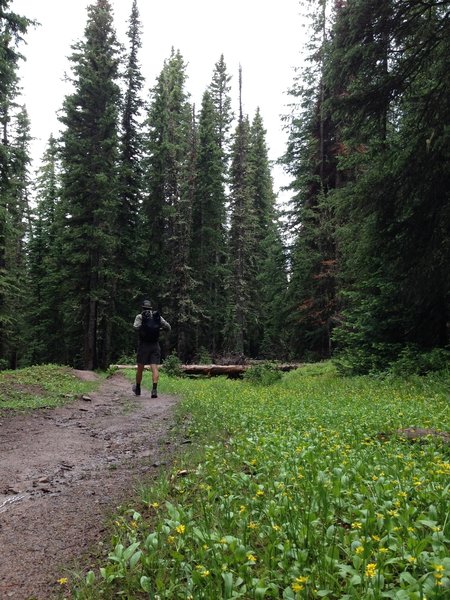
(63, 471)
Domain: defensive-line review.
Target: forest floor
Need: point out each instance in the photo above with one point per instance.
(64, 471)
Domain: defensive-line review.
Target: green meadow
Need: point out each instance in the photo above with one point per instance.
(300, 489)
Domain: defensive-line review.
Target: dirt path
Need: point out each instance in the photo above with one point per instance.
(63, 471)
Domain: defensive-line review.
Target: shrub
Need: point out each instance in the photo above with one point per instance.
(263, 374)
(412, 361)
(172, 366)
(203, 357)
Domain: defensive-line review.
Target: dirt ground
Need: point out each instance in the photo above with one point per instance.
(62, 473)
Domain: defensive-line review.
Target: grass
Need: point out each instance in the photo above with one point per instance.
(42, 386)
(290, 492)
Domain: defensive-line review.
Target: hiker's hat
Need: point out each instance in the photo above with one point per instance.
(146, 304)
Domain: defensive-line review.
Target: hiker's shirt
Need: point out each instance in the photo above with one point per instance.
(138, 322)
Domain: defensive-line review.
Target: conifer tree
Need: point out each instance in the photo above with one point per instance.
(47, 342)
(395, 240)
(12, 29)
(90, 188)
(166, 209)
(131, 259)
(208, 246)
(19, 220)
(269, 293)
(240, 314)
(311, 160)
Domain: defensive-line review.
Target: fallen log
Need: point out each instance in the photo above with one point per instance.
(213, 370)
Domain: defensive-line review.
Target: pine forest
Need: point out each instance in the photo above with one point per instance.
(145, 195)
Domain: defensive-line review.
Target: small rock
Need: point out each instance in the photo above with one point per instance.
(86, 398)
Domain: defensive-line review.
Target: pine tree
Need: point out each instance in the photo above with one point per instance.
(269, 292)
(131, 259)
(311, 160)
(166, 209)
(12, 29)
(90, 188)
(240, 314)
(395, 209)
(47, 342)
(19, 221)
(208, 246)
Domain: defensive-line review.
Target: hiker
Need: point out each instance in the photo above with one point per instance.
(149, 324)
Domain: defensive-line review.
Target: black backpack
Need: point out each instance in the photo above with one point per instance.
(151, 326)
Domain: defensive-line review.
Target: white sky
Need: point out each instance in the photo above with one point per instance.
(264, 36)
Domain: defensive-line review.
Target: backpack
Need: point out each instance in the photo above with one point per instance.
(150, 328)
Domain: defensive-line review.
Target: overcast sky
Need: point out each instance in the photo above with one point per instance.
(264, 36)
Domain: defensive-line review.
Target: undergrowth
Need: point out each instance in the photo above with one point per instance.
(40, 386)
(302, 489)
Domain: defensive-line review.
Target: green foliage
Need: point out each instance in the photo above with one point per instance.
(294, 495)
(412, 360)
(262, 374)
(89, 190)
(40, 386)
(172, 366)
(203, 357)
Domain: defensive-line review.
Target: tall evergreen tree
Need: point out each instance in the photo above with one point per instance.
(19, 220)
(12, 29)
(240, 314)
(269, 292)
(166, 208)
(311, 160)
(396, 236)
(131, 259)
(208, 251)
(47, 342)
(90, 187)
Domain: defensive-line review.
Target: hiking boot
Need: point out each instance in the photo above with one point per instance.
(154, 394)
(137, 389)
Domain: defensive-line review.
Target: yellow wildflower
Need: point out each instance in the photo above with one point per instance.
(260, 493)
(251, 557)
(356, 525)
(299, 583)
(371, 570)
(180, 529)
(412, 560)
(252, 525)
(376, 538)
(62, 580)
(242, 508)
(155, 505)
(359, 550)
